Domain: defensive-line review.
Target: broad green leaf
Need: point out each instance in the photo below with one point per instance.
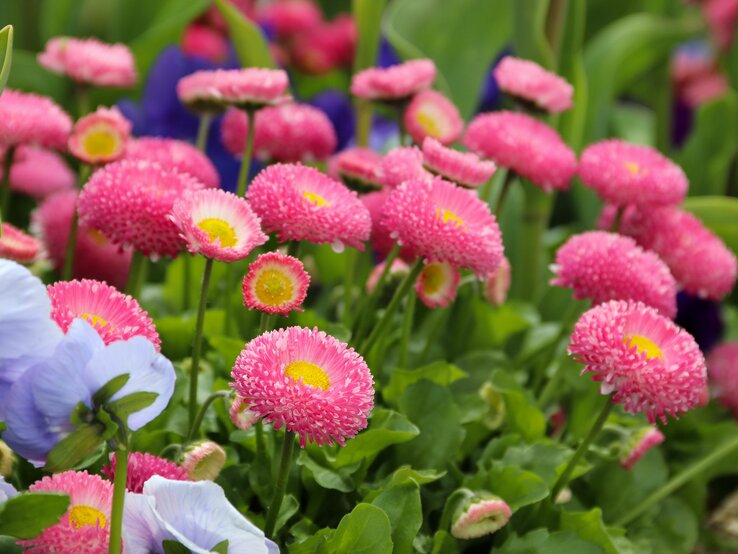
(221, 547)
(493, 328)
(529, 31)
(8, 545)
(402, 506)
(24, 516)
(515, 486)
(177, 333)
(6, 54)
(590, 527)
(442, 373)
(248, 40)
(132, 403)
(444, 543)
(174, 547)
(75, 447)
(523, 416)
(634, 123)
(719, 214)
(228, 348)
(405, 474)
(326, 477)
(108, 390)
(675, 529)
(290, 506)
(366, 530)
(368, 17)
(571, 67)
(545, 459)
(540, 540)
(27, 74)
(386, 428)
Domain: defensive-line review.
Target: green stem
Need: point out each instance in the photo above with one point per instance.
(617, 220)
(186, 279)
(530, 251)
(119, 496)
(348, 285)
(506, 184)
(363, 122)
(400, 293)
(83, 100)
(203, 410)
(680, 479)
(68, 269)
(401, 126)
(294, 248)
(366, 309)
(280, 487)
(407, 329)
(265, 323)
(133, 285)
(563, 479)
(203, 129)
(197, 341)
(5, 200)
(243, 174)
(439, 318)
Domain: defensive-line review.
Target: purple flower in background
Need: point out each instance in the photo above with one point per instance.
(490, 95)
(337, 106)
(700, 318)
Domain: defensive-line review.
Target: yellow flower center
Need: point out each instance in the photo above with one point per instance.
(80, 516)
(432, 278)
(644, 345)
(273, 287)
(94, 320)
(429, 124)
(447, 216)
(97, 236)
(219, 229)
(100, 142)
(633, 168)
(315, 199)
(310, 374)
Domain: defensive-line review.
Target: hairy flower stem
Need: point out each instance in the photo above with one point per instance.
(194, 429)
(243, 174)
(119, 496)
(366, 308)
(348, 285)
(203, 129)
(5, 201)
(530, 258)
(135, 272)
(84, 173)
(407, 328)
(197, 341)
(283, 474)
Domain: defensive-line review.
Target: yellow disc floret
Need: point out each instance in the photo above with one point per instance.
(432, 278)
(310, 374)
(644, 345)
(447, 216)
(219, 229)
(315, 199)
(273, 287)
(95, 320)
(81, 516)
(428, 123)
(100, 143)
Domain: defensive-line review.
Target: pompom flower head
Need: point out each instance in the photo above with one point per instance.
(403, 164)
(463, 168)
(359, 168)
(441, 222)
(241, 415)
(641, 441)
(648, 364)
(218, 225)
(275, 284)
(519, 142)
(17, 245)
(85, 526)
(606, 266)
(437, 284)
(130, 203)
(307, 381)
(90, 61)
(213, 91)
(203, 460)
(394, 83)
(532, 84)
(27, 118)
(622, 173)
(479, 514)
(722, 367)
(100, 137)
(431, 114)
(39, 173)
(142, 466)
(114, 315)
(300, 203)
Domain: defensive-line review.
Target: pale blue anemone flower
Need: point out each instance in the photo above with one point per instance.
(6, 490)
(194, 514)
(42, 400)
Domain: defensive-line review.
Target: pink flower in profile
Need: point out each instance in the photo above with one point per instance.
(441, 222)
(18, 246)
(95, 256)
(214, 90)
(325, 47)
(605, 266)
(300, 203)
(218, 225)
(398, 268)
(130, 202)
(288, 19)
(38, 172)
(648, 364)
(175, 155)
(90, 61)
(142, 466)
(205, 42)
(114, 315)
(27, 118)
(497, 283)
(275, 284)
(531, 83)
(480, 515)
(203, 460)
(241, 415)
(307, 381)
(463, 168)
(639, 443)
(437, 284)
(431, 114)
(622, 173)
(519, 142)
(380, 238)
(403, 164)
(397, 82)
(721, 16)
(85, 526)
(358, 167)
(722, 368)
(100, 137)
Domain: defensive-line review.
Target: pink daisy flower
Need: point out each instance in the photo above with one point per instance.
(38, 172)
(606, 266)
(288, 19)
(397, 269)
(441, 222)
(214, 90)
(114, 315)
(531, 83)
(100, 137)
(722, 368)
(403, 164)
(497, 283)
(359, 168)
(218, 225)
(530, 148)
(174, 154)
(624, 173)
(18, 246)
(431, 114)
(90, 61)
(307, 381)
(300, 203)
(27, 118)
(275, 284)
(721, 16)
(437, 284)
(397, 82)
(85, 526)
(241, 415)
(95, 256)
(463, 168)
(141, 467)
(380, 237)
(286, 133)
(325, 47)
(203, 460)
(204, 42)
(480, 516)
(648, 364)
(641, 442)
(130, 202)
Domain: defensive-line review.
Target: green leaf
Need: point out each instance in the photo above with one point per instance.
(719, 214)
(442, 373)
(6, 54)
(386, 427)
(326, 477)
(8, 545)
(545, 459)
(523, 416)
(590, 527)
(368, 17)
(515, 486)
(108, 390)
(24, 516)
(675, 529)
(174, 547)
(535, 542)
(366, 530)
(228, 348)
(402, 506)
(132, 403)
(529, 28)
(290, 506)
(75, 447)
(248, 40)
(221, 547)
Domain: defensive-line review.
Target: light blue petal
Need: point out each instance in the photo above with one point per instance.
(142, 529)
(6, 490)
(10, 372)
